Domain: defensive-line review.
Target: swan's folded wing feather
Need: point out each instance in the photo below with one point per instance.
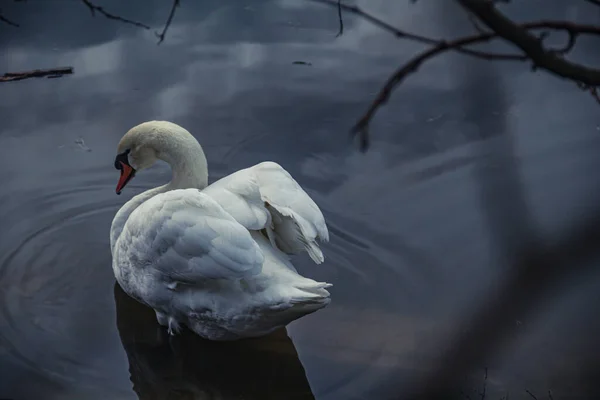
(266, 196)
(186, 237)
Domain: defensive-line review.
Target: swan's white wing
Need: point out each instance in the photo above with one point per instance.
(184, 236)
(266, 196)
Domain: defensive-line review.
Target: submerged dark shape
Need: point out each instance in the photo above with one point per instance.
(187, 366)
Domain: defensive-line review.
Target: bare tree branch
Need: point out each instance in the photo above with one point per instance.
(592, 89)
(530, 45)
(594, 2)
(531, 394)
(411, 36)
(7, 21)
(93, 8)
(341, 31)
(38, 73)
(568, 69)
(475, 23)
(483, 392)
(161, 36)
(361, 128)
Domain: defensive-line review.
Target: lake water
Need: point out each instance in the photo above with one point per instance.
(422, 225)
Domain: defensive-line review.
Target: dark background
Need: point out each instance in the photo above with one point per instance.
(413, 247)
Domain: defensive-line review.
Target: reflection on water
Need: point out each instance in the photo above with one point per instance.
(411, 250)
(188, 367)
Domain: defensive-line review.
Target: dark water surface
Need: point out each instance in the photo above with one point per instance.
(412, 247)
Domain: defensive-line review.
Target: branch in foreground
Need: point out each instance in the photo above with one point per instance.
(537, 271)
(592, 89)
(161, 36)
(38, 73)
(93, 8)
(7, 21)
(361, 128)
(400, 34)
(549, 60)
(341, 31)
(531, 394)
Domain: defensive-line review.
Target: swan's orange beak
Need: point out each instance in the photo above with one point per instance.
(127, 172)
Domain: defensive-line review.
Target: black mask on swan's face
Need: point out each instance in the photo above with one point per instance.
(127, 171)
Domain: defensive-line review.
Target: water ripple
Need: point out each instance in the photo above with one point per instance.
(55, 279)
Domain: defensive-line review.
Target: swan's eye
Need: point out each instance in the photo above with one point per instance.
(122, 158)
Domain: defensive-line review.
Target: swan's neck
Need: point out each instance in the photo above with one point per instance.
(187, 161)
(184, 154)
(189, 170)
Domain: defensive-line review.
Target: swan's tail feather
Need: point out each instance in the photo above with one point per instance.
(308, 298)
(293, 234)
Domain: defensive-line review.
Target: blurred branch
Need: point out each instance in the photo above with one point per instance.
(341, 31)
(38, 73)
(7, 21)
(536, 271)
(161, 36)
(93, 8)
(361, 128)
(483, 11)
(531, 394)
(549, 391)
(483, 392)
(594, 2)
(592, 89)
(400, 34)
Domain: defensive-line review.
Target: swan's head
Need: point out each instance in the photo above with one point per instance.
(134, 153)
(149, 141)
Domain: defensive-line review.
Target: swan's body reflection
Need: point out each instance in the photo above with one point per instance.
(189, 367)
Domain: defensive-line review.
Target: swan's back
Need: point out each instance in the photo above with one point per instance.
(265, 196)
(184, 236)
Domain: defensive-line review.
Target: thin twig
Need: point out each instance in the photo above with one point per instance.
(475, 23)
(93, 8)
(594, 2)
(161, 36)
(531, 394)
(411, 36)
(361, 128)
(593, 90)
(7, 21)
(38, 73)
(570, 43)
(531, 45)
(484, 390)
(341, 31)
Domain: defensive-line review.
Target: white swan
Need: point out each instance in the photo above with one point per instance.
(214, 258)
